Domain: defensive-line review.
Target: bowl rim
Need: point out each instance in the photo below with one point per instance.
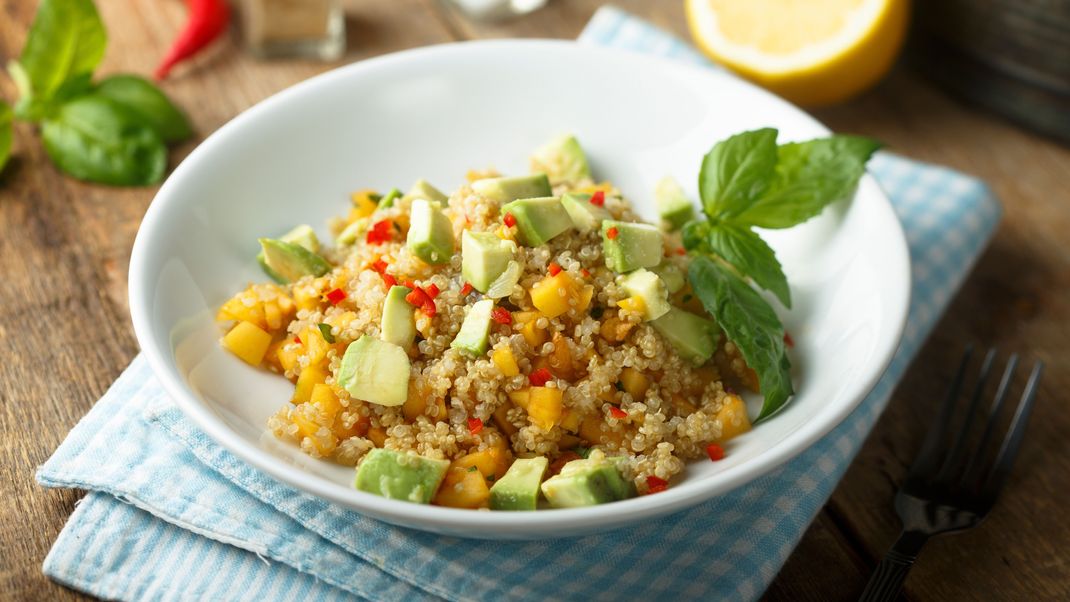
(486, 524)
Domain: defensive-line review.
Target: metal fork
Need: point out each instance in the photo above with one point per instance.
(947, 490)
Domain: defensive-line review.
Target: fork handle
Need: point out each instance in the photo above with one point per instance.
(888, 579)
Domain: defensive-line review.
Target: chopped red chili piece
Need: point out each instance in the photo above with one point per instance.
(715, 452)
(681, 251)
(466, 289)
(379, 266)
(509, 220)
(554, 269)
(598, 198)
(417, 298)
(656, 484)
(297, 340)
(501, 315)
(790, 342)
(380, 232)
(431, 290)
(612, 233)
(429, 308)
(475, 425)
(410, 284)
(540, 377)
(389, 281)
(585, 272)
(616, 412)
(336, 296)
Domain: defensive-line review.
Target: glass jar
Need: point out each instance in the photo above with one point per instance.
(497, 10)
(294, 28)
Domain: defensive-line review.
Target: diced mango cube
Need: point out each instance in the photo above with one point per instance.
(520, 397)
(505, 360)
(310, 376)
(501, 419)
(492, 461)
(323, 397)
(635, 383)
(363, 205)
(323, 442)
(551, 295)
(236, 309)
(377, 435)
(534, 335)
(733, 418)
(634, 305)
(463, 488)
(560, 360)
(571, 420)
(247, 341)
(359, 428)
(544, 407)
(287, 354)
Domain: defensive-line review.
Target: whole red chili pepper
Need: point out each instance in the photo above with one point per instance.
(207, 20)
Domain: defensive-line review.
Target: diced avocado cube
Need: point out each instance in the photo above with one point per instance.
(430, 232)
(388, 199)
(289, 261)
(586, 483)
(353, 231)
(509, 189)
(423, 190)
(585, 216)
(562, 159)
(672, 276)
(475, 330)
(538, 220)
(302, 235)
(629, 246)
(519, 488)
(484, 257)
(647, 286)
(398, 326)
(673, 205)
(693, 337)
(375, 371)
(400, 475)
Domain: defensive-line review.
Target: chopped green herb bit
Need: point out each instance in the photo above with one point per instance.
(325, 330)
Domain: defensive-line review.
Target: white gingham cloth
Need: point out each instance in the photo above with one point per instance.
(171, 515)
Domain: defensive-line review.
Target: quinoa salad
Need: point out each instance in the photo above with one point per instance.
(522, 342)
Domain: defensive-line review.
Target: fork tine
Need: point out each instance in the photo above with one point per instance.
(953, 458)
(974, 468)
(1009, 449)
(928, 454)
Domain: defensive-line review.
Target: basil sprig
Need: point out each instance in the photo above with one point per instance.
(114, 131)
(747, 181)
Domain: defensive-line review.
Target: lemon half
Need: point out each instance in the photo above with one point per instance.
(812, 52)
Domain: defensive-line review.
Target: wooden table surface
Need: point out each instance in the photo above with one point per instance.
(65, 329)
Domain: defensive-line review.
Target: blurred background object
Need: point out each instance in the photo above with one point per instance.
(1010, 56)
(294, 28)
(497, 10)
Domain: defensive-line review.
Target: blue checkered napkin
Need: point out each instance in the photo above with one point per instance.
(171, 515)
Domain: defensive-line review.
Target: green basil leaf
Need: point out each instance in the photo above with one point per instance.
(736, 172)
(749, 254)
(694, 235)
(148, 104)
(66, 41)
(750, 323)
(810, 176)
(93, 138)
(325, 331)
(6, 133)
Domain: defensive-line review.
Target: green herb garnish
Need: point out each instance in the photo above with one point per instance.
(114, 131)
(747, 181)
(325, 330)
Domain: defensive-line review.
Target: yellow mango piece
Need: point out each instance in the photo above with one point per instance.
(463, 488)
(634, 305)
(272, 316)
(316, 346)
(551, 295)
(307, 297)
(591, 430)
(287, 354)
(247, 341)
(377, 435)
(416, 402)
(324, 443)
(520, 397)
(489, 462)
(506, 362)
(683, 406)
(544, 407)
(635, 383)
(271, 356)
(236, 309)
(323, 397)
(560, 360)
(571, 420)
(501, 419)
(358, 429)
(363, 205)
(733, 417)
(586, 294)
(310, 376)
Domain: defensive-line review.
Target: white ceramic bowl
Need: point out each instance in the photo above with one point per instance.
(434, 113)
